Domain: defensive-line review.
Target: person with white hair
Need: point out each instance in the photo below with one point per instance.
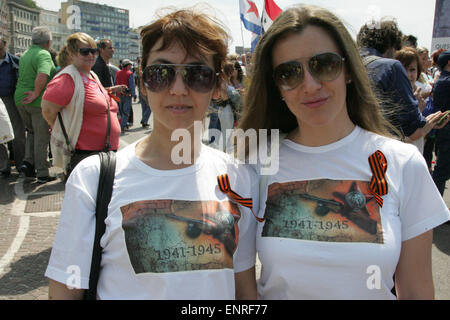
(36, 69)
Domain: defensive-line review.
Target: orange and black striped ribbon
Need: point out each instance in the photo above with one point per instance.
(378, 185)
(225, 187)
(113, 96)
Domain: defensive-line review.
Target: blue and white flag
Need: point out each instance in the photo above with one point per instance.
(251, 20)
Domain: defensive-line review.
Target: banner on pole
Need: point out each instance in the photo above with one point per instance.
(441, 29)
(270, 13)
(250, 19)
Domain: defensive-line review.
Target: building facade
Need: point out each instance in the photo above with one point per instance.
(135, 46)
(5, 21)
(102, 22)
(22, 21)
(60, 32)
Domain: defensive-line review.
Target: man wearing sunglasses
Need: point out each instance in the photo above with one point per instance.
(101, 66)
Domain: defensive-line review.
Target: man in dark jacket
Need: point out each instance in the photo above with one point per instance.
(101, 66)
(441, 96)
(9, 73)
(378, 43)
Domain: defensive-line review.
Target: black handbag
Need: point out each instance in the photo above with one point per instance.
(104, 192)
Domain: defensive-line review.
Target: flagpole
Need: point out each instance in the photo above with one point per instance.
(242, 35)
(262, 16)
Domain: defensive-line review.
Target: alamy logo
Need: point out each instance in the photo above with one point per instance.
(74, 280)
(232, 142)
(374, 280)
(74, 20)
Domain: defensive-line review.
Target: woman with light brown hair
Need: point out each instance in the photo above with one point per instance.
(87, 113)
(425, 79)
(344, 211)
(411, 60)
(63, 57)
(171, 232)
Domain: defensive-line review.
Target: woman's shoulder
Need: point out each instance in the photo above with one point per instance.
(61, 83)
(63, 78)
(390, 147)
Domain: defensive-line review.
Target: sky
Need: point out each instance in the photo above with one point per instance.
(413, 16)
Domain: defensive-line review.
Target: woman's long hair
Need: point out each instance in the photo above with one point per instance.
(263, 106)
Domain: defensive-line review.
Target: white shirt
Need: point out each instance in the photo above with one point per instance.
(325, 237)
(170, 234)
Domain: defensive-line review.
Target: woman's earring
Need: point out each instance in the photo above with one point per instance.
(349, 81)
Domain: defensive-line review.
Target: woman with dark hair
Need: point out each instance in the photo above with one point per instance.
(238, 76)
(171, 231)
(344, 211)
(224, 107)
(435, 72)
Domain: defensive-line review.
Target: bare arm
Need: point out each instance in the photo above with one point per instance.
(245, 284)
(117, 89)
(39, 84)
(413, 277)
(432, 120)
(59, 291)
(50, 111)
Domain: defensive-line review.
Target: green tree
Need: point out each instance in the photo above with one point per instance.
(31, 4)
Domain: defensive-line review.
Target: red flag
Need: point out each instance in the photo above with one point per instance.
(270, 13)
(272, 9)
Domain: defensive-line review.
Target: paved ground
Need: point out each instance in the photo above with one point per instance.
(29, 216)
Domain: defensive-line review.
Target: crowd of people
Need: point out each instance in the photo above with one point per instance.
(57, 129)
(360, 124)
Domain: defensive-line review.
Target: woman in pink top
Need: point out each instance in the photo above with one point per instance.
(85, 117)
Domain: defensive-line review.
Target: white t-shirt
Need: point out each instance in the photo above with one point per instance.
(426, 87)
(325, 236)
(170, 234)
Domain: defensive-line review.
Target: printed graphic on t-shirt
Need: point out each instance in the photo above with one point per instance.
(174, 235)
(323, 210)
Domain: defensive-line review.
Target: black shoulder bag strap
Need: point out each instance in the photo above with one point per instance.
(108, 129)
(63, 128)
(104, 192)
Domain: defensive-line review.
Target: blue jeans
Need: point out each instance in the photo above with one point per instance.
(146, 111)
(441, 171)
(125, 109)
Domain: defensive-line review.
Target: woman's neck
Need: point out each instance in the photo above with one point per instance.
(85, 73)
(159, 152)
(316, 136)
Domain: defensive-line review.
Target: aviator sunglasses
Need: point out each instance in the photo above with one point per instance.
(322, 67)
(158, 77)
(86, 51)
